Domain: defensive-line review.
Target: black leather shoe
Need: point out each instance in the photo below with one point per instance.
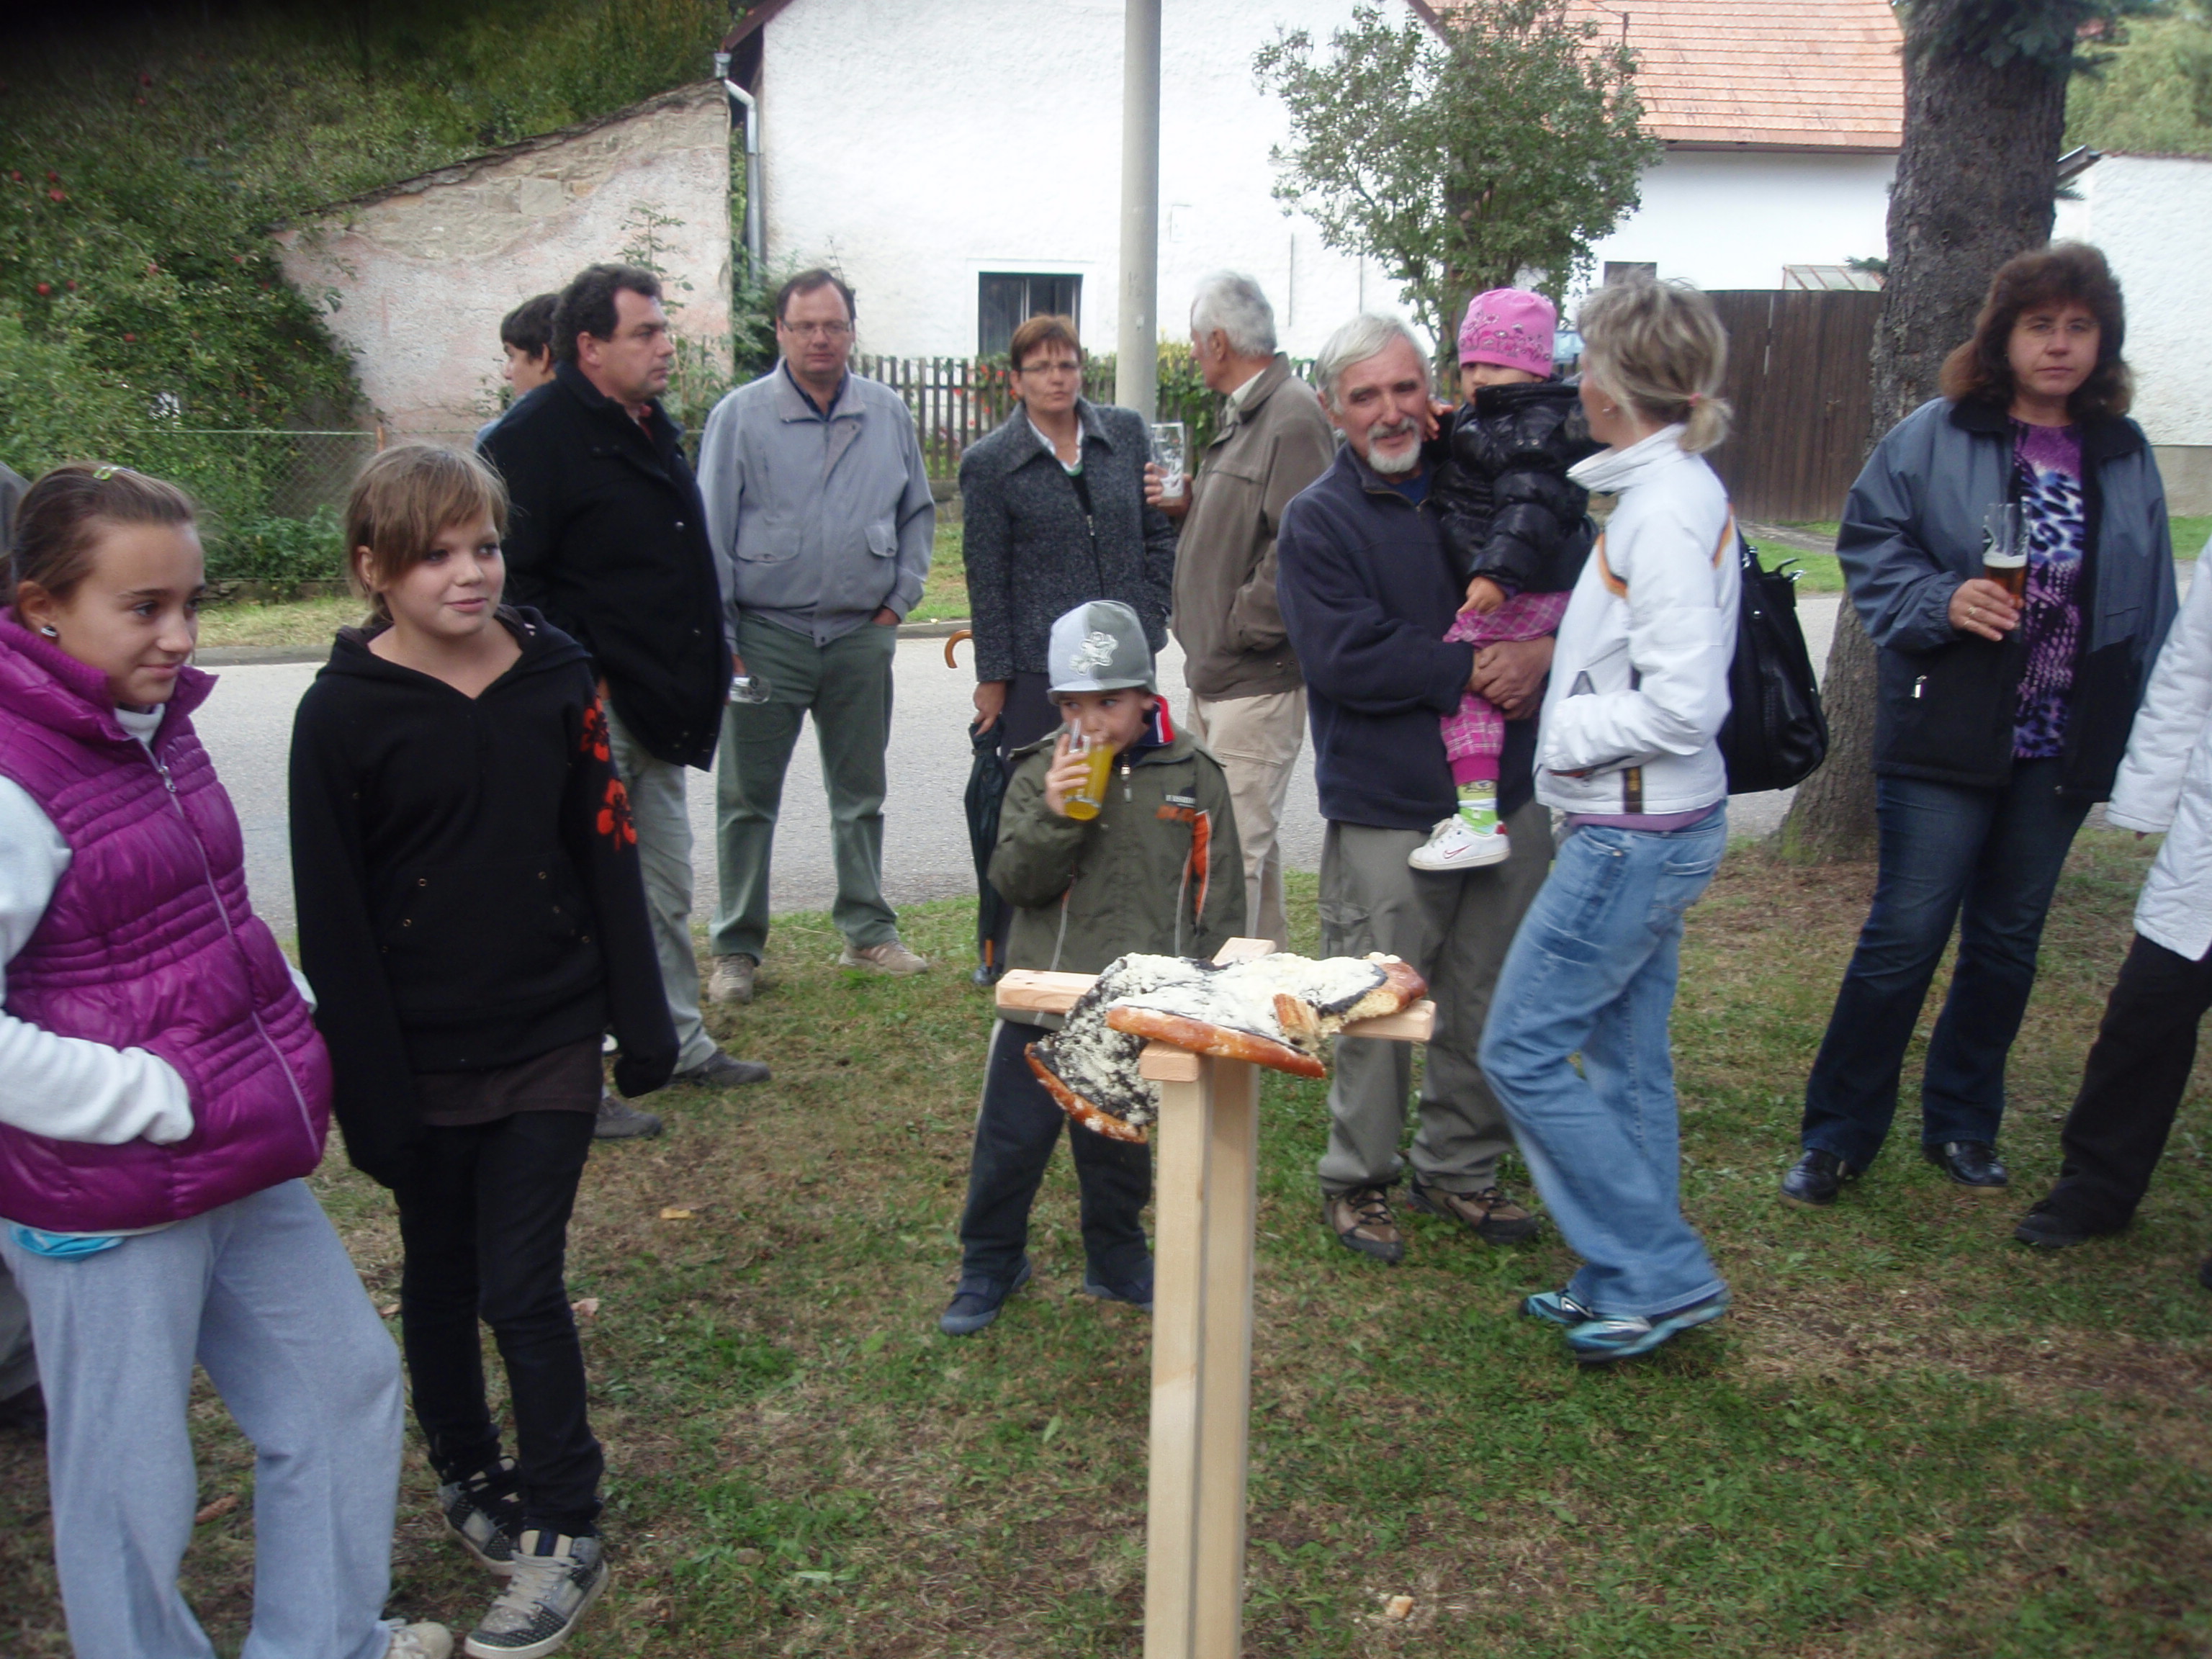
(1970, 1164)
(2204, 1272)
(1816, 1178)
(2054, 1230)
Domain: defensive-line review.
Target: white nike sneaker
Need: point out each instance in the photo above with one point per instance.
(1454, 846)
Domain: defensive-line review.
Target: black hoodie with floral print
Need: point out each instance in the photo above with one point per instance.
(467, 879)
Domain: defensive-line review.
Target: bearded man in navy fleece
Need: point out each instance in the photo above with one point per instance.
(1367, 593)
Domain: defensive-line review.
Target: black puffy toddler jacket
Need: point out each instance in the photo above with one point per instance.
(1510, 511)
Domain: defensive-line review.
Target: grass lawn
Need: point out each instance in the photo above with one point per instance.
(1823, 574)
(1911, 1436)
(310, 623)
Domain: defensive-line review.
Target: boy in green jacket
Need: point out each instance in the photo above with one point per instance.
(1158, 870)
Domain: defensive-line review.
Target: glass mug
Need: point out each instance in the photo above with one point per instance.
(1168, 449)
(1090, 797)
(2004, 549)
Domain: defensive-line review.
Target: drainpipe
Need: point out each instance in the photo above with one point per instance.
(740, 99)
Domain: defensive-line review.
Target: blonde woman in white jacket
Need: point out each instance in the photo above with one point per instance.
(1628, 748)
(2137, 1069)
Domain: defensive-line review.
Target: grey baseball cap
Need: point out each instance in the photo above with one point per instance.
(1099, 646)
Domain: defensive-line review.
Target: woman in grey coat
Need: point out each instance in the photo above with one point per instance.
(1052, 514)
(2003, 710)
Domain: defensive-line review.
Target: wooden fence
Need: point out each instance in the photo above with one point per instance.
(1800, 379)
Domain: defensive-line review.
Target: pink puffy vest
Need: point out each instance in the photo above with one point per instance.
(149, 942)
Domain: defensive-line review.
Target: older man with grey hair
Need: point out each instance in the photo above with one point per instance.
(1248, 703)
(1368, 592)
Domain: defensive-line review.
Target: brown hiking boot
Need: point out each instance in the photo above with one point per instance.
(1361, 1221)
(1489, 1214)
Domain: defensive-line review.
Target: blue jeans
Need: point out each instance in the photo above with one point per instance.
(1989, 859)
(1593, 970)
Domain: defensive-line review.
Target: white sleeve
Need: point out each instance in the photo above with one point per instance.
(2170, 722)
(67, 1088)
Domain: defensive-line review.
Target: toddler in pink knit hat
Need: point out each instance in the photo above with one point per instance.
(1518, 529)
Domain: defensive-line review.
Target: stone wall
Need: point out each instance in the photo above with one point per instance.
(423, 270)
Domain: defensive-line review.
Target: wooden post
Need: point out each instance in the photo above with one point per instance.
(1205, 1192)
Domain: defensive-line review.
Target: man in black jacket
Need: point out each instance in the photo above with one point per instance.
(1368, 590)
(607, 538)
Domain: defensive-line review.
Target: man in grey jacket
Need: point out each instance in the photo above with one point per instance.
(819, 510)
(1248, 702)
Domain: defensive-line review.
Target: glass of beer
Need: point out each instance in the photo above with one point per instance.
(2004, 549)
(1168, 447)
(1090, 797)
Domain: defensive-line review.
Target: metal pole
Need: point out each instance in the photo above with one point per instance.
(1136, 362)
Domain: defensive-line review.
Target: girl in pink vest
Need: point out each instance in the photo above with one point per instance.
(162, 1094)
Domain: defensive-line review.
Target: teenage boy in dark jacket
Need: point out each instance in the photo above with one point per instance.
(608, 539)
(1158, 870)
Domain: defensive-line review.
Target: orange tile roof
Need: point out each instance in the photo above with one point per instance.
(1761, 73)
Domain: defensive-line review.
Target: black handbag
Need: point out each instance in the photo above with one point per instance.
(1776, 735)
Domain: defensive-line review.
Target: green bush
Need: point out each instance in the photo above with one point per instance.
(280, 551)
(142, 171)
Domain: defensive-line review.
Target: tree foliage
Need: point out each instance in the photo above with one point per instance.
(141, 170)
(2152, 94)
(1459, 159)
(2047, 33)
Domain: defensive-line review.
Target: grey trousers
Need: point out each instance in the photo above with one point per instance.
(1256, 740)
(846, 686)
(1454, 928)
(664, 854)
(19, 1364)
(261, 1294)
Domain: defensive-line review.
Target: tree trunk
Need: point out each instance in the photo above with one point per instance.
(1975, 183)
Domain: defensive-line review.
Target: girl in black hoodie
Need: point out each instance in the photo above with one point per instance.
(473, 918)
(1518, 529)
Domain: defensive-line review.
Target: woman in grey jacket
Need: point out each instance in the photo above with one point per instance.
(2000, 719)
(1053, 513)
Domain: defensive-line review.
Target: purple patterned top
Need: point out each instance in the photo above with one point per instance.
(2047, 471)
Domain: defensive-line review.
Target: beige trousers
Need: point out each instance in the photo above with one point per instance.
(1256, 740)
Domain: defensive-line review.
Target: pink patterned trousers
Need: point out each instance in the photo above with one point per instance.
(1475, 732)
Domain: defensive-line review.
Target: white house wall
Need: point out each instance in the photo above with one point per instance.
(2152, 215)
(918, 146)
(1729, 219)
(424, 273)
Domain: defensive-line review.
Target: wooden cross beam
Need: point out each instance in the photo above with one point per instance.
(1206, 1197)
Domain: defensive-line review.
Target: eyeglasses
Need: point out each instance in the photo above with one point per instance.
(1064, 367)
(818, 330)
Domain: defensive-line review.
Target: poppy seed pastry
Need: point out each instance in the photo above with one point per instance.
(1276, 1011)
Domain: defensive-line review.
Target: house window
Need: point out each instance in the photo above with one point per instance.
(1007, 299)
(1620, 271)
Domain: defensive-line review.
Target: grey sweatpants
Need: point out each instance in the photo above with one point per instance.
(259, 1292)
(1455, 927)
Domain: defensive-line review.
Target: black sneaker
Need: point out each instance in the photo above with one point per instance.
(555, 1580)
(1816, 1178)
(2053, 1229)
(483, 1512)
(977, 1301)
(721, 1071)
(1969, 1163)
(619, 1120)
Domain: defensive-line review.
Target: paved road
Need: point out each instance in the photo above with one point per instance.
(247, 726)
